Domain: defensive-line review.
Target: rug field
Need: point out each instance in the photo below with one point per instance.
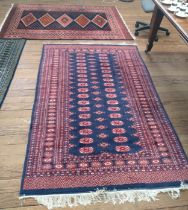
(38, 21)
(99, 131)
(10, 51)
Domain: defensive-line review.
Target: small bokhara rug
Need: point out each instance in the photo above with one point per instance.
(35, 21)
(10, 51)
(99, 131)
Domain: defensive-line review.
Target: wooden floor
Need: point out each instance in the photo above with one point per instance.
(168, 65)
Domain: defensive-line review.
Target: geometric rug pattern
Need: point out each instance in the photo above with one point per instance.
(10, 51)
(98, 125)
(33, 21)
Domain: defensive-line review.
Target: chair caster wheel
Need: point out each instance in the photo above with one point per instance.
(167, 33)
(136, 33)
(156, 39)
(136, 25)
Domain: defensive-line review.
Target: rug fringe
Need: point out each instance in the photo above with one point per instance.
(125, 24)
(114, 197)
(6, 16)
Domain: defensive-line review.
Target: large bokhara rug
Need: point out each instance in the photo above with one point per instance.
(10, 51)
(35, 21)
(99, 131)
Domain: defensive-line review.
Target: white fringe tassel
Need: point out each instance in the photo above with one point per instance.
(6, 16)
(115, 197)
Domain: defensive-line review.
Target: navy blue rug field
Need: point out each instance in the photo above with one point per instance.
(99, 131)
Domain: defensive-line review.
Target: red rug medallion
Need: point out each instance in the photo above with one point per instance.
(34, 21)
(99, 126)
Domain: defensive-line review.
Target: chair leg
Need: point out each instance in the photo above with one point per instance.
(142, 28)
(165, 30)
(145, 26)
(138, 23)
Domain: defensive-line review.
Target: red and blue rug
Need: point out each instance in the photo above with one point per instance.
(99, 131)
(38, 21)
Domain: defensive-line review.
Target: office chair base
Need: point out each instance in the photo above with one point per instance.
(145, 26)
(136, 33)
(138, 23)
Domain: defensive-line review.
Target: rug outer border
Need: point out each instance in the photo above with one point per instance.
(157, 187)
(123, 26)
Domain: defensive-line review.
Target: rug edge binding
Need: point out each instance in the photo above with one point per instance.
(114, 197)
(6, 16)
(125, 23)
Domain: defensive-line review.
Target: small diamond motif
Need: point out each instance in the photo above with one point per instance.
(46, 20)
(28, 19)
(64, 20)
(99, 21)
(82, 21)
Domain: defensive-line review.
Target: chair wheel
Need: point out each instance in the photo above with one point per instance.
(156, 39)
(136, 25)
(167, 33)
(136, 33)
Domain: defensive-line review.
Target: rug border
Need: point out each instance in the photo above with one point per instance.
(16, 65)
(140, 186)
(7, 21)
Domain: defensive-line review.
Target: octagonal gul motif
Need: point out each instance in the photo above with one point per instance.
(81, 139)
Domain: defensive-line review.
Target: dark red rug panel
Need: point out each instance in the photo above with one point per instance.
(34, 21)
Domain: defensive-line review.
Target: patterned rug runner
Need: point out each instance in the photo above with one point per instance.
(99, 130)
(34, 21)
(10, 51)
